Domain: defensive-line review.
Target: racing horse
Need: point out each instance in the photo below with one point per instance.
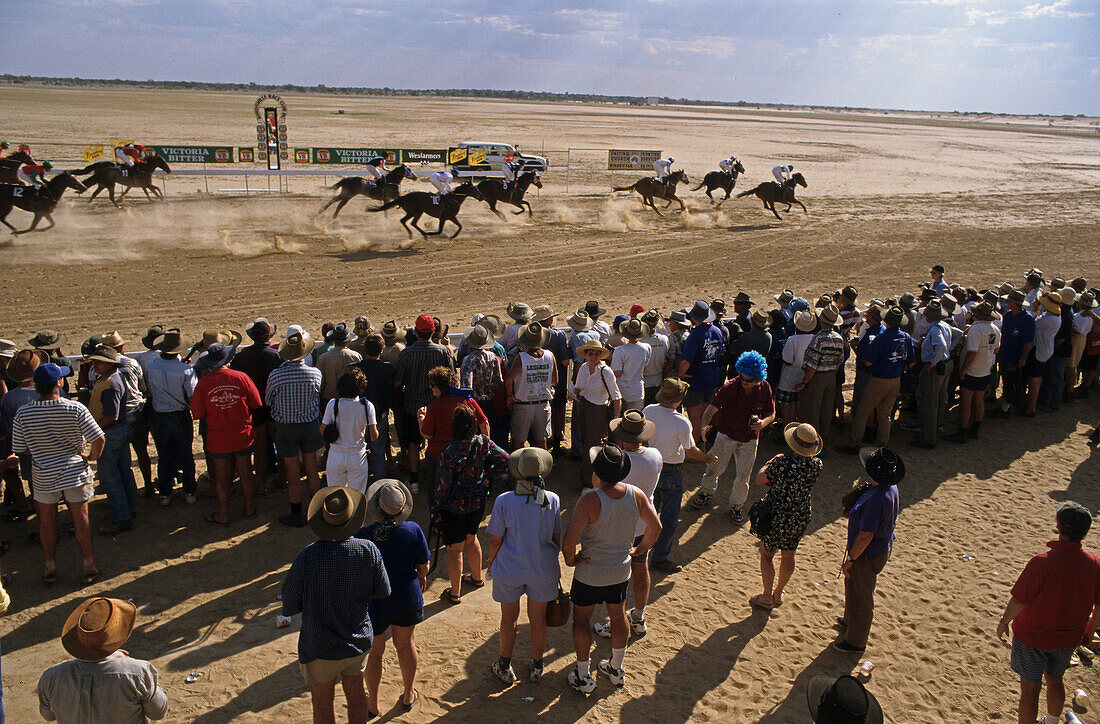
(493, 190)
(9, 166)
(771, 194)
(39, 201)
(650, 188)
(105, 174)
(442, 207)
(352, 186)
(721, 180)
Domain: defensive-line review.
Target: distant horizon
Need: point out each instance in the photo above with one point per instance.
(486, 93)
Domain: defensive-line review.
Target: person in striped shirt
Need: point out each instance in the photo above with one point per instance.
(63, 440)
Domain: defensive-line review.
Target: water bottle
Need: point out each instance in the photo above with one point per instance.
(1081, 699)
(1072, 718)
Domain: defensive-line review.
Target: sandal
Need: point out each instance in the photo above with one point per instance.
(760, 601)
(452, 597)
(212, 520)
(49, 578)
(411, 704)
(87, 578)
(469, 578)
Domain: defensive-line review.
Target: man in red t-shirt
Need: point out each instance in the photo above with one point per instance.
(740, 410)
(226, 399)
(435, 419)
(1054, 607)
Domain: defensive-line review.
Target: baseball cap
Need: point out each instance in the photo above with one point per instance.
(50, 373)
(425, 323)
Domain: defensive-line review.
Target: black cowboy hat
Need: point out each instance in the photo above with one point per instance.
(609, 463)
(883, 465)
(594, 309)
(842, 701)
(743, 298)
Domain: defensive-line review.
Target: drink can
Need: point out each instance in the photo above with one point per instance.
(1081, 699)
(1072, 718)
(866, 668)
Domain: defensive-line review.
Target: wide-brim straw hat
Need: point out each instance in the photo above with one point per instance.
(593, 345)
(984, 312)
(493, 323)
(24, 363)
(853, 693)
(633, 427)
(803, 439)
(534, 336)
(296, 347)
(388, 498)
(672, 391)
(530, 462)
(336, 512)
(98, 628)
(520, 312)
(103, 353)
(171, 342)
(1052, 302)
(478, 337)
(8, 348)
(46, 339)
(543, 313)
(228, 337)
(829, 315)
(634, 329)
(805, 321)
(579, 321)
(113, 339)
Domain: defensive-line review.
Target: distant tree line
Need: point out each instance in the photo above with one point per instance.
(515, 95)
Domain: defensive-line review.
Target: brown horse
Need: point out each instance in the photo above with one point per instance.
(105, 174)
(385, 190)
(493, 190)
(9, 166)
(650, 188)
(771, 194)
(445, 208)
(721, 180)
(39, 201)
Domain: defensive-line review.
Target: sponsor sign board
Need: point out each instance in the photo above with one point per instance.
(195, 154)
(413, 155)
(301, 155)
(246, 154)
(356, 156)
(91, 153)
(627, 160)
(456, 156)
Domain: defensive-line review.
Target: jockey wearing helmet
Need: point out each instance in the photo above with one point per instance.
(662, 167)
(442, 180)
(511, 169)
(728, 165)
(376, 167)
(782, 174)
(33, 174)
(129, 154)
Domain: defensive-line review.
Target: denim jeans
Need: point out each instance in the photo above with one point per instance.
(173, 433)
(115, 472)
(378, 448)
(667, 498)
(1054, 382)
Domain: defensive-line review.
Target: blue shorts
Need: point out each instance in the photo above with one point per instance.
(584, 595)
(510, 592)
(1031, 663)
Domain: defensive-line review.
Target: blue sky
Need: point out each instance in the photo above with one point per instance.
(970, 55)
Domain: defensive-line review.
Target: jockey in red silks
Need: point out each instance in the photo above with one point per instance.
(33, 174)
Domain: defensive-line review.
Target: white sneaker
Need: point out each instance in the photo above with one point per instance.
(637, 625)
(414, 488)
(615, 676)
(534, 672)
(585, 684)
(602, 629)
(504, 673)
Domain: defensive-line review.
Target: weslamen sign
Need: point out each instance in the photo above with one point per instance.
(195, 154)
(618, 160)
(409, 155)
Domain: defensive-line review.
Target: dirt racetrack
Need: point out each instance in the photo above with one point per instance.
(887, 197)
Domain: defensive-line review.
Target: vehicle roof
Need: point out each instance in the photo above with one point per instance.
(467, 144)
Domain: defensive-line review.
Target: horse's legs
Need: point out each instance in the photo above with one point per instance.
(49, 218)
(4, 218)
(683, 207)
(146, 190)
(111, 193)
(338, 206)
(802, 205)
(454, 220)
(771, 207)
(654, 207)
(416, 218)
(405, 218)
(156, 192)
(437, 232)
(711, 197)
(492, 207)
(98, 189)
(331, 201)
(34, 223)
(521, 205)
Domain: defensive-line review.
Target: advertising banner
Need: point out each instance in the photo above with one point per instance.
(355, 156)
(195, 154)
(624, 160)
(415, 155)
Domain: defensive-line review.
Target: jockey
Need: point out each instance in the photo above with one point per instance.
(510, 169)
(442, 180)
(782, 174)
(128, 155)
(728, 165)
(33, 174)
(4, 145)
(24, 148)
(662, 167)
(376, 167)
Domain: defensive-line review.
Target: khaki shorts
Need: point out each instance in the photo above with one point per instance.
(1077, 349)
(79, 494)
(531, 422)
(326, 671)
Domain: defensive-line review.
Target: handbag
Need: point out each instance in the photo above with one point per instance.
(853, 495)
(760, 517)
(557, 611)
(332, 432)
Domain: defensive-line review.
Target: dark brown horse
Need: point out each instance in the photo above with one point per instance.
(721, 180)
(39, 201)
(771, 194)
(650, 188)
(388, 189)
(442, 207)
(9, 166)
(105, 174)
(493, 190)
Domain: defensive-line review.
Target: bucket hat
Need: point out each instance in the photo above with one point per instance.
(543, 313)
(46, 339)
(478, 337)
(530, 462)
(520, 312)
(701, 312)
(388, 499)
(672, 391)
(216, 355)
(634, 329)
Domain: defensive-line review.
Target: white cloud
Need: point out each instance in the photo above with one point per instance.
(1056, 9)
(713, 46)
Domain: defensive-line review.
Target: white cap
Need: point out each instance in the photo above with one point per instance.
(292, 330)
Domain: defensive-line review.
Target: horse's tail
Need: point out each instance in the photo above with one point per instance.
(623, 188)
(701, 185)
(387, 205)
(92, 167)
(341, 183)
(750, 192)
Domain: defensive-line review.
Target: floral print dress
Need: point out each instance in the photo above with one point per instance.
(792, 479)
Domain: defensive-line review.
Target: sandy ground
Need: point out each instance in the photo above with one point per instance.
(885, 200)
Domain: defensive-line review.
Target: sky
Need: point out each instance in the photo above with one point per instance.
(999, 56)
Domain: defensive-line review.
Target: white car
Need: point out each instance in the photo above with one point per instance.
(484, 158)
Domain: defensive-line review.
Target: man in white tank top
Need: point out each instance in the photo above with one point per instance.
(530, 384)
(604, 523)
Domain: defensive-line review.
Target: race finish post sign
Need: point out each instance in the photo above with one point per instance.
(271, 143)
(195, 154)
(355, 156)
(620, 160)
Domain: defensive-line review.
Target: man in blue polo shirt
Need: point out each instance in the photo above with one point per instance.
(935, 350)
(889, 354)
(939, 286)
(1017, 338)
(700, 364)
